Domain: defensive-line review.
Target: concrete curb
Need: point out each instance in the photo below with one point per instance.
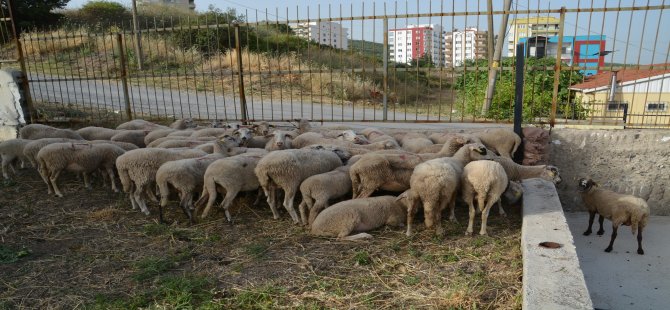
(552, 277)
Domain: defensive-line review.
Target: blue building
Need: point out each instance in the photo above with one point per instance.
(582, 51)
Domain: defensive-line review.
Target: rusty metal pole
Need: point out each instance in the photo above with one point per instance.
(32, 113)
(386, 68)
(124, 75)
(240, 69)
(557, 69)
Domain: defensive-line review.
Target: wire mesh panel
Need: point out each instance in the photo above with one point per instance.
(401, 61)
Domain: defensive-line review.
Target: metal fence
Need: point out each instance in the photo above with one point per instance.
(259, 66)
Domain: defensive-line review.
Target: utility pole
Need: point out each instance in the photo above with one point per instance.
(138, 44)
(493, 67)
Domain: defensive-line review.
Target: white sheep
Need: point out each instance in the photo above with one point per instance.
(157, 134)
(97, 133)
(234, 174)
(11, 151)
(391, 169)
(286, 169)
(621, 209)
(375, 135)
(435, 183)
(262, 128)
(186, 177)
(359, 216)
(39, 131)
(31, 149)
(414, 142)
(503, 141)
(181, 133)
(280, 140)
(124, 145)
(171, 144)
(318, 189)
(183, 124)
(131, 136)
(484, 181)
(83, 158)
(137, 171)
(140, 124)
(516, 172)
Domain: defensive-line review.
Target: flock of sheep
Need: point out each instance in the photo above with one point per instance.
(155, 162)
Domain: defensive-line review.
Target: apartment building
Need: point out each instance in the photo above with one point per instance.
(324, 33)
(416, 41)
(545, 26)
(462, 45)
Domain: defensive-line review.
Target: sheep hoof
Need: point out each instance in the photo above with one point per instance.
(600, 232)
(468, 233)
(586, 233)
(146, 212)
(59, 195)
(609, 249)
(640, 251)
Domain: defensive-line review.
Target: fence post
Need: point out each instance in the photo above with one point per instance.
(243, 99)
(518, 88)
(557, 69)
(124, 75)
(32, 113)
(138, 42)
(386, 69)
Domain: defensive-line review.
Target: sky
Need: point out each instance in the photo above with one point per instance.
(635, 37)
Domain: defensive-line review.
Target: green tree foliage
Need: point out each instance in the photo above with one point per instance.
(538, 89)
(99, 15)
(424, 61)
(36, 13)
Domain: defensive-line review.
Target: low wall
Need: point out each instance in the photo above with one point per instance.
(628, 161)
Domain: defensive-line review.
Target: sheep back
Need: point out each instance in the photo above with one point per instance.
(359, 215)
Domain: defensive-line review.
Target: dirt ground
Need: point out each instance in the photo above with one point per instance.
(91, 250)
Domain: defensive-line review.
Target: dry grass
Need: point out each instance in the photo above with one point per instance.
(91, 250)
(51, 42)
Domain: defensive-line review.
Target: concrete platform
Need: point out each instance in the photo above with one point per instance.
(623, 279)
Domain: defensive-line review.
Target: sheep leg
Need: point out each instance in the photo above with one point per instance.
(133, 203)
(271, 199)
(614, 229)
(303, 211)
(289, 195)
(54, 178)
(110, 174)
(316, 208)
(210, 191)
(259, 196)
(439, 230)
(600, 231)
(141, 202)
(485, 215)
(87, 181)
(639, 241)
(5, 165)
(592, 216)
(452, 214)
(45, 177)
(231, 193)
(501, 211)
(411, 212)
(185, 203)
(473, 212)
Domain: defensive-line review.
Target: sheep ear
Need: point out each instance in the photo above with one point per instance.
(236, 131)
(340, 135)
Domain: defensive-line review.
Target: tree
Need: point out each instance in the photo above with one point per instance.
(538, 89)
(36, 13)
(424, 61)
(100, 14)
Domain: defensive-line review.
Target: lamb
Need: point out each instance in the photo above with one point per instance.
(262, 128)
(39, 131)
(97, 133)
(286, 169)
(31, 149)
(435, 183)
(503, 141)
(137, 171)
(186, 177)
(76, 157)
(359, 215)
(234, 174)
(131, 136)
(516, 172)
(486, 181)
(140, 124)
(281, 140)
(10, 151)
(318, 189)
(619, 208)
(391, 170)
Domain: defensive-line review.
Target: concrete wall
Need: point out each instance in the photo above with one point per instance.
(629, 161)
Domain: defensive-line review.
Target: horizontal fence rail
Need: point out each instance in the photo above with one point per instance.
(341, 64)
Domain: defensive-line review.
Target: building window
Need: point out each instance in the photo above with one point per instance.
(616, 105)
(657, 106)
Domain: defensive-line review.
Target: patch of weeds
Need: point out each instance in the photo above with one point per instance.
(179, 292)
(414, 252)
(362, 258)
(257, 250)
(428, 258)
(156, 229)
(120, 302)
(266, 297)
(9, 255)
(6, 305)
(479, 241)
(450, 258)
(395, 247)
(152, 266)
(411, 280)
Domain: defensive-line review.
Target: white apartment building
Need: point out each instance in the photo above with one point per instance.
(462, 45)
(325, 33)
(415, 41)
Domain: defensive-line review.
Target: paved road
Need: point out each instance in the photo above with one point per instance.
(623, 279)
(155, 101)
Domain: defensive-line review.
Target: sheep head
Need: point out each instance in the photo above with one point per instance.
(262, 128)
(585, 184)
(279, 138)
(477, 151)
(243, 135)
(551, 173)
